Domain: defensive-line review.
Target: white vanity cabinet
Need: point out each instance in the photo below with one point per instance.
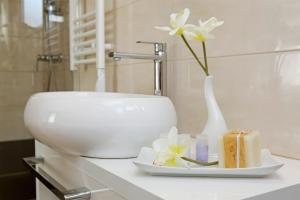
(67, 175)
(119, 179)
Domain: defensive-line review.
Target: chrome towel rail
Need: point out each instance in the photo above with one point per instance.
(60, 191)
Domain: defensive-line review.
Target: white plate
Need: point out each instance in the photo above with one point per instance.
(146, 157)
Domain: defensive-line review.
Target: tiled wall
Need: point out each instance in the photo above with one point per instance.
(19, 46)
(19, 78)
(255, 60)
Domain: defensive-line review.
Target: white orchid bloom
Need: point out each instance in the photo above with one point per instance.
(177, 22)
(170, 150)
(202, 32)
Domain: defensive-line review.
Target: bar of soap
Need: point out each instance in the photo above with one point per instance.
(239, 149)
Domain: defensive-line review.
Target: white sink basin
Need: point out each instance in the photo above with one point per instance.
(103, 125)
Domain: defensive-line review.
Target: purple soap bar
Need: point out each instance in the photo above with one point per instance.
(202, 152)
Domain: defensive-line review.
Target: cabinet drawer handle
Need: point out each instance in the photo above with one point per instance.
(60, 191)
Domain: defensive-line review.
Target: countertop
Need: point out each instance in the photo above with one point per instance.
(134, 184)
(124, 178)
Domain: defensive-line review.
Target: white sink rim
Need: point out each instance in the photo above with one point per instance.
(120, 106)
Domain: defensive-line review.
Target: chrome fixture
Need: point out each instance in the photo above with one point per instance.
(51, 7)
(53, 58)
(160, 63)
(53, 12)
(60, 191)
(50, 59)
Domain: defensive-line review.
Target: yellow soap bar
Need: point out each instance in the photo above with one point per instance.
(239, 149)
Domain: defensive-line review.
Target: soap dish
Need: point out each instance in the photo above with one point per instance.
(146, 157)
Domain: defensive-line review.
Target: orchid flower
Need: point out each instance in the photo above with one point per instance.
(170, 150)
(202, 32)
(190, 31)
(177, 22)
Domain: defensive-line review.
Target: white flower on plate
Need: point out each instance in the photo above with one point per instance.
(170, 150)
(202, 32)
(177, 23)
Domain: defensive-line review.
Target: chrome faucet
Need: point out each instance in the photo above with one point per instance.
(54, 58)
(160, 63)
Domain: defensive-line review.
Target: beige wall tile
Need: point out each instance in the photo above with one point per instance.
(19, 54)
(11, 123)
(9, 48)
(89, 5)
(58, 79)
(76, 80)
(87, 78)
(135, 78)
(111, 78)
(254, 92)
(121, 3)
(28, 50)
(250, 26)
(16, 87)
(68, 81)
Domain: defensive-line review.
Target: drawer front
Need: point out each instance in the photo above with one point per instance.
(43, 193)
(70, 177)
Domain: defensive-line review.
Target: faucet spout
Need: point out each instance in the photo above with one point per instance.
(160, 63)
(121, 55)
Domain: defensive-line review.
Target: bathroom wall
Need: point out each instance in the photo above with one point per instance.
(19, 46)
(20, 77)
(255, 60)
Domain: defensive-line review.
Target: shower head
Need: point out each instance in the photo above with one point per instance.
(50, 7)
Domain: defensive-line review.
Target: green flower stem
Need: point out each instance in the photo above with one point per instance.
(194, 54)
(200, 162)
(204, 54)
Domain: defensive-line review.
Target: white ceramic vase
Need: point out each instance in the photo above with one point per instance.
(215, 125)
